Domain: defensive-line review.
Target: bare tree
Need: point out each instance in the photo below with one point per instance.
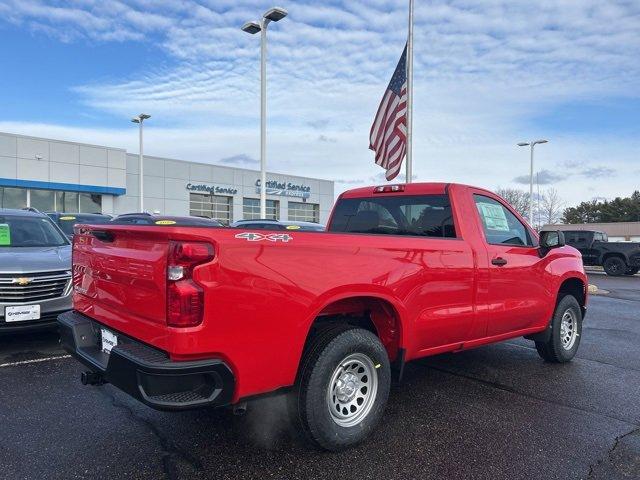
(551, 205)
(519, 199)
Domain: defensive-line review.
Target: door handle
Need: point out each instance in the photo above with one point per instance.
(500, 262)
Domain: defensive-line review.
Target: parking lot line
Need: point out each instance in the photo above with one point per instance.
(35, 360)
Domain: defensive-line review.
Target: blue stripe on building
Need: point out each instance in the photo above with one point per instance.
(71, 187)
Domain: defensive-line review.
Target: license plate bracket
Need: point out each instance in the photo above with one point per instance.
(108, 340)
(21, 313)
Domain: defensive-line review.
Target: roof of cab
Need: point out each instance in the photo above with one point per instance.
(409, 189)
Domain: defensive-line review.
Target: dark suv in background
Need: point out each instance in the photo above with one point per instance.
(35, 271)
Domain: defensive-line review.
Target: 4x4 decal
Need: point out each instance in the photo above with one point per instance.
(270, 237)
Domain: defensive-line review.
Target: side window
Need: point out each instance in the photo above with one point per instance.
(501, 227)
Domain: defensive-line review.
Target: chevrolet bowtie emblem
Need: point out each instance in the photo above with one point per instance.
(22, 280)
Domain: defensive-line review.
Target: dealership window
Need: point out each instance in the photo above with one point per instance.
(90, 203)
(217, 207)
(13, 197)
(43, 200)
(304, 212)
(50, 200)
(251, 209)
(67, 202)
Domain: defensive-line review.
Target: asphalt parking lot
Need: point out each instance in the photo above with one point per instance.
(497, 412)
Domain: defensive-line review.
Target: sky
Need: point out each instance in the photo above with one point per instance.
(488, 74)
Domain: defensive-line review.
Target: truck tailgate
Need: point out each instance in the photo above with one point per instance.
(120, 270)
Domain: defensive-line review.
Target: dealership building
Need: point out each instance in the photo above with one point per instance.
(54, 175)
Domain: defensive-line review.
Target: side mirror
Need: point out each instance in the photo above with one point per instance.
(552, 239)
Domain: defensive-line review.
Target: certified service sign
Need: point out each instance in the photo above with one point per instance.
(211, 189)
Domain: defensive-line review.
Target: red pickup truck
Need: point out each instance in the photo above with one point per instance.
(183, 316)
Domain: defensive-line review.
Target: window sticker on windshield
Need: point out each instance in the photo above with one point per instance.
(165, 222)
(67, 218)
(494, 216)
(5, 234)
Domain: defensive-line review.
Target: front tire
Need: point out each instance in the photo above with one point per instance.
(566, 331)
(614, 266)
(343, 387)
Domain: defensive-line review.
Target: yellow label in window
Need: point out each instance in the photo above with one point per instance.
(293, 227)
(165, 222)
(67, 218)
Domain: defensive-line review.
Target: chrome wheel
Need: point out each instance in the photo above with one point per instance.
(568, 329)
(352, 390)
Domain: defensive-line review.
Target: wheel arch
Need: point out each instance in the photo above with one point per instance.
(576, 287)
(607, 255)
(373, 311)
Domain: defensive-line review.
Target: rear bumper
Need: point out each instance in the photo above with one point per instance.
(145, 373)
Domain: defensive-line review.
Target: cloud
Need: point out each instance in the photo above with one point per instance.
(319, 123)
(543, 177)
(598, 172)
(325, 139)
(240, 159)
(349, 181)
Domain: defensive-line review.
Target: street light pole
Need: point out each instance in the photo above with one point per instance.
(263, 117)
(273, 15)
(532, 145)
(140, 120)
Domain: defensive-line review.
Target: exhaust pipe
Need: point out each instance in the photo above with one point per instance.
(92, 378)
(240, 409)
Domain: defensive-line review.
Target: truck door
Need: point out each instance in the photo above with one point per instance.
(516, 297)
(592, 250)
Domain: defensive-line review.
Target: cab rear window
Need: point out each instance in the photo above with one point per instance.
(417, 215)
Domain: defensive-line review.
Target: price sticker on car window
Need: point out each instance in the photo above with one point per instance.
(494, 217)
(5, 234)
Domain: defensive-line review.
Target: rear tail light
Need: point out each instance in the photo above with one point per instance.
(388, 188)
(185, 298)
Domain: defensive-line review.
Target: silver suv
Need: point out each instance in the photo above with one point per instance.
(35, 271)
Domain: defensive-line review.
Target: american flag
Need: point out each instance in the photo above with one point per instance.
(388, 137)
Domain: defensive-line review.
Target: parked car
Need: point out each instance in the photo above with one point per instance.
(66, 221)
(617, 258)
(155, 219)
(268, 224)
(35, 271)
(185, 317)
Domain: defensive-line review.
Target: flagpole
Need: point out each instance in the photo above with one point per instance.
(409, 166)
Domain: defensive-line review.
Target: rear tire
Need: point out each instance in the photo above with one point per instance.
(632, 271)
(566, 331)
(343, 387)
(615, 266)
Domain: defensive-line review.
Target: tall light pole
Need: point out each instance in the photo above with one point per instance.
(273, 15)
(531, 144)
(140, 120)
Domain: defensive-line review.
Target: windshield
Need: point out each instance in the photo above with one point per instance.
(66, 222)
(24, 231)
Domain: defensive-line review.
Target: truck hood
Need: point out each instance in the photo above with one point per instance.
(35, 259)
